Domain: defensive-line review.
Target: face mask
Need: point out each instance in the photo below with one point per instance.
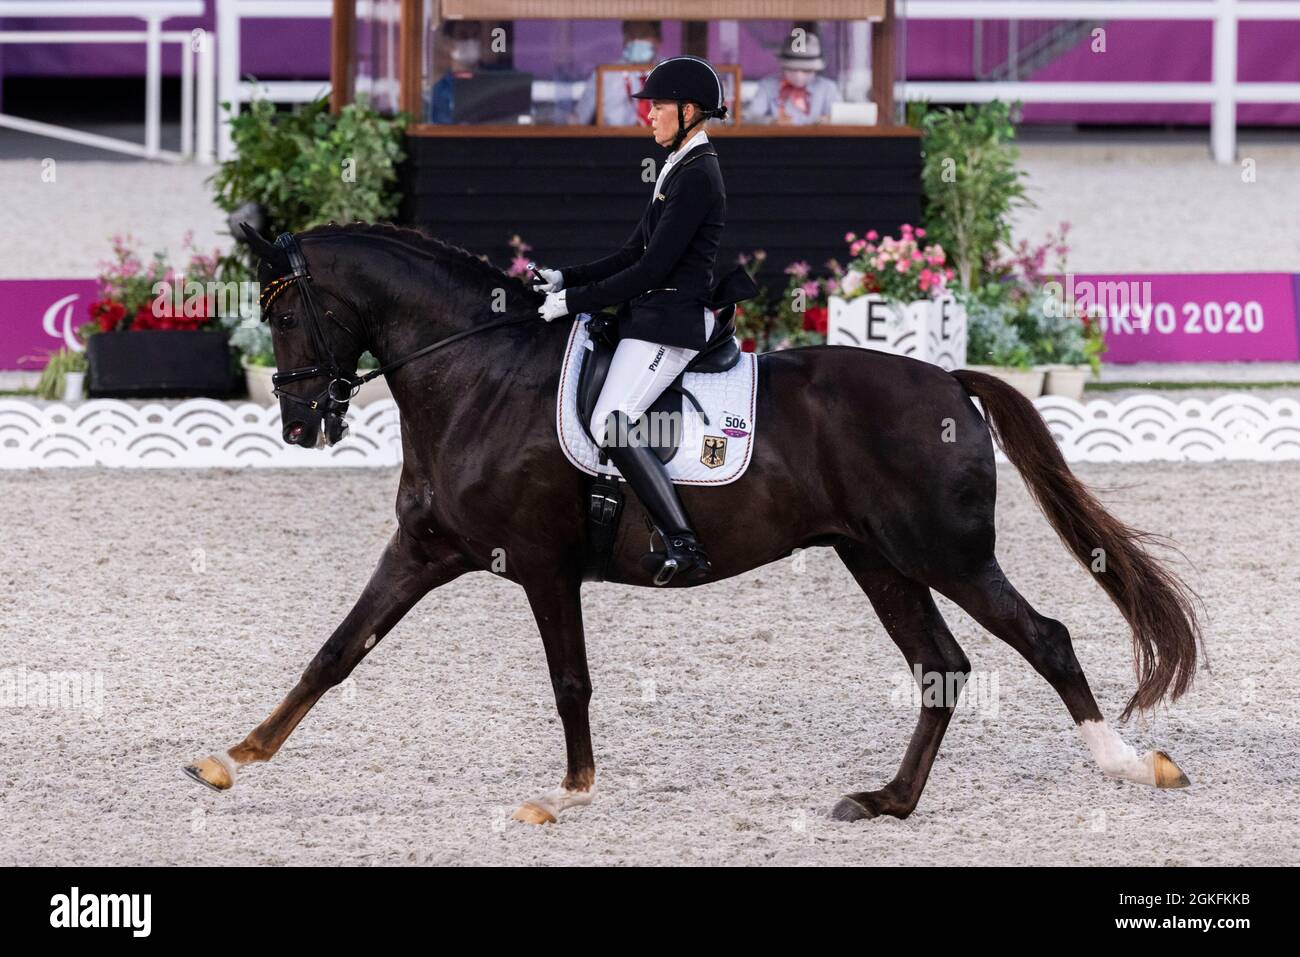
(639, 51)
(466, 51)
(798, 77)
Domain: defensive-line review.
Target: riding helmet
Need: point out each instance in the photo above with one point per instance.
(686, 79)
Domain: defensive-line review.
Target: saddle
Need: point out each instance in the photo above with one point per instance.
(721, 353)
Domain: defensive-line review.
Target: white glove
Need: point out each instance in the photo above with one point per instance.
(555, 306)
(554, 281)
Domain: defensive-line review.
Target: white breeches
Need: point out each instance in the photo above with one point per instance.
(638, 374)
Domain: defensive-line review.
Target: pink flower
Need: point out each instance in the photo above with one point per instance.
(920, 234)
(849, 237)
(857, 247)
(906, 229)
(902, 266)
(872, 235)
(811, 288)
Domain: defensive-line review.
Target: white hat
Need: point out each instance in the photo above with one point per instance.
(808, 58)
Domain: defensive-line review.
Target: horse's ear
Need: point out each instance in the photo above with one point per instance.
(266, 251)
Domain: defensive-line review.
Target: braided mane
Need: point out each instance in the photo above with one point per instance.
(455, 258)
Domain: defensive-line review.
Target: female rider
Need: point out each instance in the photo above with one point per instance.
(665, 273)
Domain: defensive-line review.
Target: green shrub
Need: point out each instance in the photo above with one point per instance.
(971, 183)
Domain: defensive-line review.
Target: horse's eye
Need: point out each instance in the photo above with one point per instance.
(283, 322)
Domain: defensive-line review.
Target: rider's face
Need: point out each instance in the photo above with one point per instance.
(663, 120)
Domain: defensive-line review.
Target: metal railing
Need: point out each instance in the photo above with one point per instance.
(198, 103)
(1223, 92)
(233, 89)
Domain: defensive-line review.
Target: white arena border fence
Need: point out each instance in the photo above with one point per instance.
(205, 433)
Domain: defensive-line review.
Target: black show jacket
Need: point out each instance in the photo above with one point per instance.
(664, 272)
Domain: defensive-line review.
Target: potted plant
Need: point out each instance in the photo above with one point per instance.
(63, 377)
(1062, 345)
(994, 337)
(894, 295)
(158, 332)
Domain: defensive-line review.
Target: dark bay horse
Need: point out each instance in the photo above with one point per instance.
(904, 494)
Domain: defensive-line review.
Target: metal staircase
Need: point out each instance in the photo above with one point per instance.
(1024, 46)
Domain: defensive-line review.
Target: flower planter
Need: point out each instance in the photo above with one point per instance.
(157, 364)
(933, 330)
(1028, 382)
(1066, 380)
(259, 387)
(259, 383)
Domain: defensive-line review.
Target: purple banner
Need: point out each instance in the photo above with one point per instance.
(38, 316)
(1194, 317)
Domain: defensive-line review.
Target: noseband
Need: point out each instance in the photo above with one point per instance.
(331, 404)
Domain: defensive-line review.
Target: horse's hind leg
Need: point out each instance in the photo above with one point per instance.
(1045, 643)
(909, 615)
(407, 571)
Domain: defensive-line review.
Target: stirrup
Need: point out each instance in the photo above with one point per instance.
(683, 554)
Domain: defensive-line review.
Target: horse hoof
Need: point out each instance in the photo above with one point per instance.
(848, 809)
(530, 813)
(1168, 774)
(211, 772)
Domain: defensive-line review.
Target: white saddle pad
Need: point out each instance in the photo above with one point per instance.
(712, 454)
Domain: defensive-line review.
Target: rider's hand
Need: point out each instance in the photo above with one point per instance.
(554, 281)
(554, 307)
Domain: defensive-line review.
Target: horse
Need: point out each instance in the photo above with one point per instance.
(905, 496)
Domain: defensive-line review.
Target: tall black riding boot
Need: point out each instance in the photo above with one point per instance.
(641, 468)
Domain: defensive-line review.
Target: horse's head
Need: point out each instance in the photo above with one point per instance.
(317, 336)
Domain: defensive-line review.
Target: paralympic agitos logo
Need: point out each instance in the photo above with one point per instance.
(102, 910)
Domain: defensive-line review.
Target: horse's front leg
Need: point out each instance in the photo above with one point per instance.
(557, 605)
(407, 571)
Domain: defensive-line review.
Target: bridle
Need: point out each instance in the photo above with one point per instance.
(330, 405)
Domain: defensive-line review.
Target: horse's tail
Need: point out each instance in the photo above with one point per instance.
(1157, 604)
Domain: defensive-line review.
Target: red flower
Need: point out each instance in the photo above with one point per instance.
(145, 319)
(815, 319)
(748, 345)
(107, 313)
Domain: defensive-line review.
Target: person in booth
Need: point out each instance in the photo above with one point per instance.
(664, 274)
(641, 41)
(798, 95)
(463, 40)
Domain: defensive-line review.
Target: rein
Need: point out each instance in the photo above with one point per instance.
(332, 402)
